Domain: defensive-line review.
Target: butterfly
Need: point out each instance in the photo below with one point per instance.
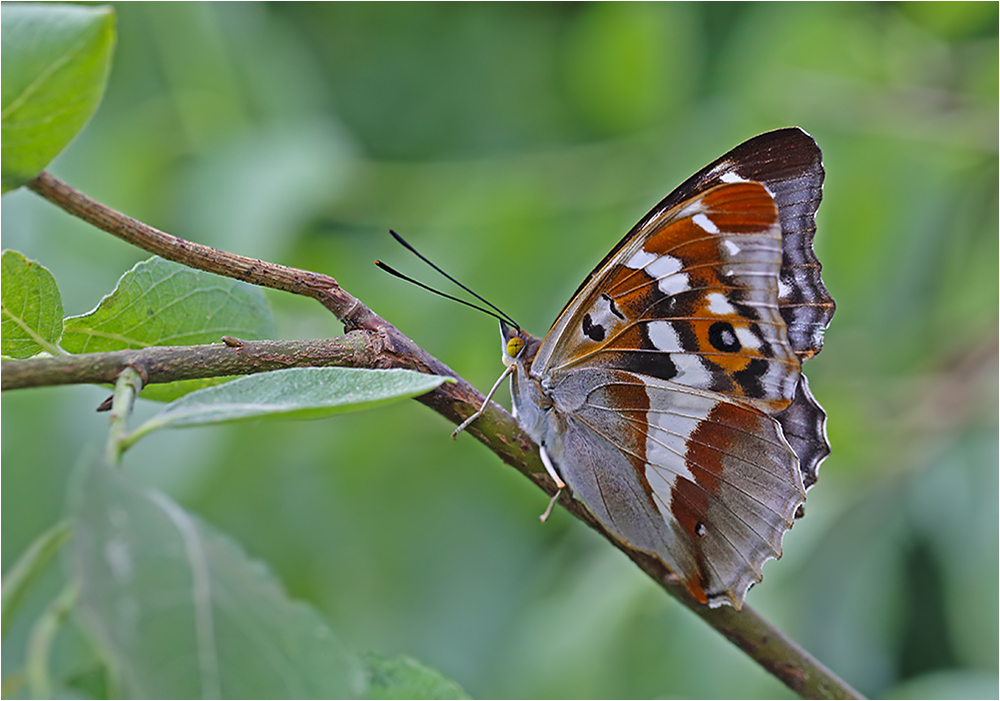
(668, 396)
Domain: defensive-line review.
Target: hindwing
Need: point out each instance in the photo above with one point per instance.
(708, 485)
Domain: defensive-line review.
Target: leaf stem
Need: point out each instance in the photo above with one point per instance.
(40, 642)
(126, 390)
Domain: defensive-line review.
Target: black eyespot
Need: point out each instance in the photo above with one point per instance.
(722, 336)
(699, 529)
(594, 331)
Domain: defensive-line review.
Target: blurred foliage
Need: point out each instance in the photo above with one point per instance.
(515, 144)
(149, 574)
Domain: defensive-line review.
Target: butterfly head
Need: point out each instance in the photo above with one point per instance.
(519, 346)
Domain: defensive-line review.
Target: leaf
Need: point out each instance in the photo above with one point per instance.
(30, 308)
(25, 572)
(405, 678)
(180, 611)
(160, 303)
(170, 391)
(298, 393)
(55, 64)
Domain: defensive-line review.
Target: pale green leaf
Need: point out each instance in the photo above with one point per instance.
(180, 611)
(30, 308)
(161, 303)
(55, 64)
(21, 577)
(405, 678)
(296, 393)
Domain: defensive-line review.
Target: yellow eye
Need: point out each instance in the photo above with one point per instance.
(514, 346)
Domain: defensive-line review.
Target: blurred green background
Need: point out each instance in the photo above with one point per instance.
(515, 144)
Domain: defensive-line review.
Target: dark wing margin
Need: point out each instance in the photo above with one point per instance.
(803, 424)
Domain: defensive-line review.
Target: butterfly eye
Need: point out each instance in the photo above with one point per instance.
(514, 346)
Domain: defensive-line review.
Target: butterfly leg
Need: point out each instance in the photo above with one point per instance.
(465, 424)
(548, 510)
(549, 467)
(555, 478)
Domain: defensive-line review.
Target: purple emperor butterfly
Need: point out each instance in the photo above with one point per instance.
(668, 396)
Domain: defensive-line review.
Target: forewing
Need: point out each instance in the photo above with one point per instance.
(692, 298)
(708, 485)
(790, 165)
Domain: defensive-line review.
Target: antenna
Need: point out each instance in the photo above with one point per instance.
(497, 312)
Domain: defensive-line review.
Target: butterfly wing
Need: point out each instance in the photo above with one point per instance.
(681, 417)
(708, 485)
(790, 165)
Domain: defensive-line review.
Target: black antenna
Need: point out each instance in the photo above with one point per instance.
(497, 313)
(396, 273)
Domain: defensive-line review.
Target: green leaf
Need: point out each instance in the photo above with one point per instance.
(170, 391)
(180, 611)
(405, 678)
(25, 572)
(55, 64)
(297, 393)
(30, 308)
(161, 303)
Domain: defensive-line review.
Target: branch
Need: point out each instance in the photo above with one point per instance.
(497, 429)
(158, 364)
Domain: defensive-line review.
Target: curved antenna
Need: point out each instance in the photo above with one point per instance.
(396, 273)
(499, 313)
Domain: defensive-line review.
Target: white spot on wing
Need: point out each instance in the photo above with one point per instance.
(674, 284)
(666, 269)
(691, 371)
(728, 337)
(746, 337)
(718, 304)
(664, 266)
(640, 260)
(663, 336)
(732, 177)
(731, 247)
(666, 448)
(705, 223)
